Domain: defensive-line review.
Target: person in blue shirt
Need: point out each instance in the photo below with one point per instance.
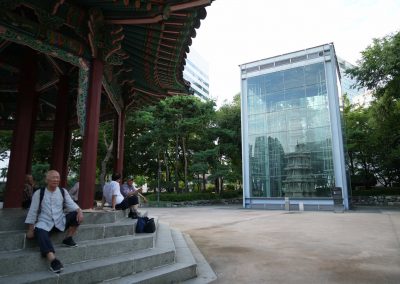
(48, 216)
(128, 189)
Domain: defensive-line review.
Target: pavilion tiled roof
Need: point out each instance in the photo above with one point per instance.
(143, 43)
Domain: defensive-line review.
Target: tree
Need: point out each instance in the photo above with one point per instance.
(385, 139)
(379, 67)
(376, 133)
(228, 133)
(359, 149)
(186, 117)
(5, 144)
(189, 139)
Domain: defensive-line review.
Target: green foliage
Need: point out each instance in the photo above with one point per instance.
(75, 155)
(5, 144)
(39, 173)
(140, 180)
(379, 67)
(174, 197)
(188, 139)
(192, 196)
(228, 194)
(373, 132)
(42, 148)
(376, 191)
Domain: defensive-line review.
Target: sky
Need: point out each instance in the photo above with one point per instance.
(240, 31)
(237, 32)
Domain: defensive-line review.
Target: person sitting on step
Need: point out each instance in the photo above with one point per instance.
(112, 195)
(128, 189)
(74, 192)
(29, 189)
(46, 215)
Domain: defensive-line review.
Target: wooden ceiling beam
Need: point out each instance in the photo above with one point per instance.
(189, 5)
(55, 65)
(47, 85)
(136, 21)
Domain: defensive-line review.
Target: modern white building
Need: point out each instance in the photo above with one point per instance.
(196, 72)
(293, 149)
(359, 96)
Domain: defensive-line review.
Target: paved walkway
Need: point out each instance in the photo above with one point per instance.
(257, 246)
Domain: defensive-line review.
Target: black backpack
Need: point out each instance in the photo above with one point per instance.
(145, 225)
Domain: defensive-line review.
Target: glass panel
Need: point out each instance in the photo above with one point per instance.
(274, 101)
(314, 73)
(294, 77)
(296, 93)
(316, 90)
(274, 82)
(289, 134)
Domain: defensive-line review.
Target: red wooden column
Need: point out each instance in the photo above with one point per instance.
(20, 147)
(67, 146)
(119, 137)
(35, 106)
(61, 130)
(89, 151)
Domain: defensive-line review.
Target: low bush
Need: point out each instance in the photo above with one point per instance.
(174, 197)
(375, 191)
(227, 194)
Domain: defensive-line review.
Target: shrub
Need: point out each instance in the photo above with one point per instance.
(230, 187)
(360, 191)
(174, 197)
(226, 194)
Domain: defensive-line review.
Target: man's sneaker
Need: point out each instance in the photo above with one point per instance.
(134, 214)
(56, 266)
(69, 242)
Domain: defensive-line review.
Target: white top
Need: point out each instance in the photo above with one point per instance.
(110, 189)
(74, 191)
(52, 212)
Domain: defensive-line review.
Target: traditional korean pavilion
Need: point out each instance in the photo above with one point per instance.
(67, 65)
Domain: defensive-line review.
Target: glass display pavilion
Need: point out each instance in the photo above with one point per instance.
(293, 149)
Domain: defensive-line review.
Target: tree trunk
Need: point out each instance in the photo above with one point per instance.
(176, 164)
(167, 171)
(105, 160)
(185, 164)
(204, 182)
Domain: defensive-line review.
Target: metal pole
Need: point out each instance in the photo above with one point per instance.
(158, 179)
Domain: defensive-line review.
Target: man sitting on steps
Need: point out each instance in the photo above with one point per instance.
(47, 215)
(129, 189)
(112, 195)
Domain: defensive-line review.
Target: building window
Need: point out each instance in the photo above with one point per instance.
(290, 151)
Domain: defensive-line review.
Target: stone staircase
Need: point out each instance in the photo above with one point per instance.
(108, 251)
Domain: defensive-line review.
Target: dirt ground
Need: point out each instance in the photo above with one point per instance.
(259, 246)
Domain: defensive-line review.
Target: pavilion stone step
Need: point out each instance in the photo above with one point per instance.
(182, 269)
(102, 216)
(12, 240)
(205, 274)
(96, 271)
(14, 219)
(15, 240)
(174, 273)
(170, 261)
(30, 260)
